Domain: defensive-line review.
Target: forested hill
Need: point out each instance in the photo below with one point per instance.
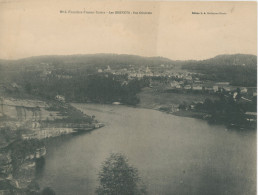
(238, 69)
(226, 60)
(114, 60)
(75, 64)
(118, 60)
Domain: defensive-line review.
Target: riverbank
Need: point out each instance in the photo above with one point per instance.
(169, 102)
(185, 105)
(26, 125)
(203, 116)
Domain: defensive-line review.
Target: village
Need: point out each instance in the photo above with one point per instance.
(169, 80)
(172, 78)
(181, 81)
(29, 113)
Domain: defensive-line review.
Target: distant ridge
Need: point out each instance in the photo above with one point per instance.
(238, 69)
(126, 59)
(234, 59)
(85, 56)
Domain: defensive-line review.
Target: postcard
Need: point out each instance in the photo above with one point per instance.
(128, 97)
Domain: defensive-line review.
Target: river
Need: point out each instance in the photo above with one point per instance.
(174, 155)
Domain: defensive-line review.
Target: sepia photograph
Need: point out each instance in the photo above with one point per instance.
(119, 97)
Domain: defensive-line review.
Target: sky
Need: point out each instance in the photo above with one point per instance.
(36, 27)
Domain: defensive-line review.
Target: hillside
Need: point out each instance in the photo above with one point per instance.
(238, 69)
(89, 63)
(113, 60)
(227, 60)
(116, 60)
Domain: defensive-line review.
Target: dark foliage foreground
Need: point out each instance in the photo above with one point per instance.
(118, 177)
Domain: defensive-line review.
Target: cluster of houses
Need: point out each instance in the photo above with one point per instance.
(180, 80)
(211, 87)
(132, 72)
(141, 71)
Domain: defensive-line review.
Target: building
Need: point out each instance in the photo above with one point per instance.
(251, 116)
(187, 87)
(197, 87)
(209, 88)
(60, 98)
(178, 87)
(243, 90)
(227, 89)
(108, 69)
(148, 72)
(174, 84)
(189, 78)
(222, 84)
(215, 88)
(197, 82)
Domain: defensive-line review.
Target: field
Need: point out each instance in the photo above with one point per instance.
(150, 98)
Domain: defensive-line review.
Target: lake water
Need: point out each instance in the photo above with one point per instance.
(174, 155)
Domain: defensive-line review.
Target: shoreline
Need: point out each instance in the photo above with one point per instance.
(79, 129)
(185, 113)
(31, 129)
(204, 117)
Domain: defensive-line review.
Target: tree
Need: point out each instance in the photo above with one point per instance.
(117, 177)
